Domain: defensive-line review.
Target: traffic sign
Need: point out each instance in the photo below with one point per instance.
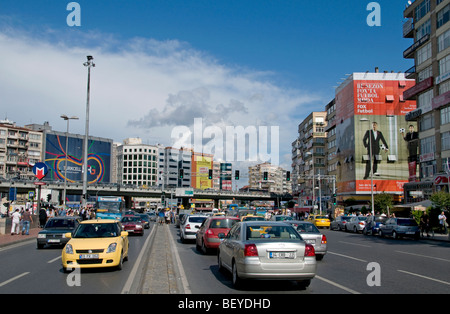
(40, 170)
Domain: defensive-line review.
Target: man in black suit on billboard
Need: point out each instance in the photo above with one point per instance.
(376, 139)
(412, 137)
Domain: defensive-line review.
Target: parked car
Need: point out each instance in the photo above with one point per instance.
(373, 224)
(339, 223)
(96, 243)
(189, 226)
(356, 224)
(400, 227)
(133, 225)
(310, 234)
(55, 229)
(266, 250)
(320, 221)
(207, 237)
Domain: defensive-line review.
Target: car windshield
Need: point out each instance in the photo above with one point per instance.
(60, 223)
(281, 218)
(271, 232)
(131, 219)
(321, 217)
(222, 223)
(307, 228)
(362, 218)
(196, 219)
(96, 230)
(406, 222)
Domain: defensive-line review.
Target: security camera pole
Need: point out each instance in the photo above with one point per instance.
(87, 64)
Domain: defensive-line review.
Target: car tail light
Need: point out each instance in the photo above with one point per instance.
(309, 250)
(188, 226)
(324, 239)
(209, 232)
(250, 250)
(361, 224)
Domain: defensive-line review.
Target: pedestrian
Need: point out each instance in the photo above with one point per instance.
(442, 223)
(16, 216)
(425, 224)
(27, 220)
(161, 217)
(42, 217)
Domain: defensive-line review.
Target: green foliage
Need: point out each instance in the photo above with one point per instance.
(383, 201)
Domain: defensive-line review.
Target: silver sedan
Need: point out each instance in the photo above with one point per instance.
(266, 250)
(310, 234)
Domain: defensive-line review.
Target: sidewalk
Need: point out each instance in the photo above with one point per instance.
(8, 239)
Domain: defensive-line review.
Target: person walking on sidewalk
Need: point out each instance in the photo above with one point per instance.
(16, 216)
(26, 220)
(442, 223)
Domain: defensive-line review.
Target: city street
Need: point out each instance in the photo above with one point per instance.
(402, 267)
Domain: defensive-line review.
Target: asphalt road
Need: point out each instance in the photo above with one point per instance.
(354, 264)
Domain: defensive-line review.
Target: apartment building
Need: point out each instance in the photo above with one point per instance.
(274, 182)
(170, 161)
(428, 26)
(20, 149)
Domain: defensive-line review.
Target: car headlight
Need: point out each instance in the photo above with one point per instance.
(69, 249)
(111, 248)
(41, 236)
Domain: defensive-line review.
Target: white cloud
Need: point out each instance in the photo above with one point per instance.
(139, 88)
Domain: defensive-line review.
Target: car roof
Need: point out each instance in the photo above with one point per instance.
(299, 222)
(223, 217)
(269, 223)
(99, 221)
(65, 217)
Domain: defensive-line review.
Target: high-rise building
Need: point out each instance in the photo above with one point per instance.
(268, 177)
(428, 25)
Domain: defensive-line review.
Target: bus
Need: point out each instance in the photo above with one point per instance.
(109, 207)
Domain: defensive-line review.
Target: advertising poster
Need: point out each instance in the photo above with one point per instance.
(99, 159)
(372, 135)
(201, 164)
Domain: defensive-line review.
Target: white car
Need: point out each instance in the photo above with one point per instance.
(356, 224)
(189, 227)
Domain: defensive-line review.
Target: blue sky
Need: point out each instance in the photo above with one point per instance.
(275, 61)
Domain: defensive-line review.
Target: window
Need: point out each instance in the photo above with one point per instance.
(426, 122)
(425, 73)
(443, 16)
(422, 9)
(424, 53)
(445, 115)
(423, 29)
(445, 141)
(444, 65)
(424, 100)
(428, 145)
(444, 41)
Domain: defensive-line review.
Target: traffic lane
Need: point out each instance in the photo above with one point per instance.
(406, 266)
(42, 271)
(204, 277)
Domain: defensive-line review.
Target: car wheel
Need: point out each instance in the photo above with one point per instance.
(319, 257)
(40, 246)
(355, 230)
(380, 234)
(219, 262)
(237, 281)
(119, 267)
(303, 284)
(395, 235)
(204, 248)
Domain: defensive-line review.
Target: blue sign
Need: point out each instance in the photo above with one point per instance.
(40, 170)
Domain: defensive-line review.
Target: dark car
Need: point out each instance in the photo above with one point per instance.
(400, 227)
(373, 224)
(55, 229)
(132, 225)
(145, 219)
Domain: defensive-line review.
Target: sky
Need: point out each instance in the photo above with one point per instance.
(165, 66)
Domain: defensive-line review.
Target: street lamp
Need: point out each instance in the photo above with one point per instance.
(67, 148)
(371, 166)
(89, 64)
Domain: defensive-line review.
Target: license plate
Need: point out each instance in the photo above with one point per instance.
(281, 254)
(88, 256)
(311, 241)
(410, 233)
(53, 241)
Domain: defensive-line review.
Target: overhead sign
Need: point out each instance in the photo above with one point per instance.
(40, 170)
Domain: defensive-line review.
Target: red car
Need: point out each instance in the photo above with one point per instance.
(132, 224)
(207, 236)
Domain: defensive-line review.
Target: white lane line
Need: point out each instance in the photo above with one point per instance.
(54, 260)
(12, 279)
(179, 265)
(425, 277)
(337, 285)
(355, 244)
(436, 258)
(346, 256)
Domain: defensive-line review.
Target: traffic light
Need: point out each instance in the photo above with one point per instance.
(266, 176)
(210, 174)
(288, 176)
(49, 197)
(236, 174)
(181, 173)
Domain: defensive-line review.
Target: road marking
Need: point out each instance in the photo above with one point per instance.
(54, 260)
(337, 285)
(126, 289)
(12, 279)
(355, 244)
(425, 277)
(436, 258)
(346, 256)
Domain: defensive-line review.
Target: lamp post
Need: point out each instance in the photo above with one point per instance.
(67, 148)
(89, 64)
(371, 166)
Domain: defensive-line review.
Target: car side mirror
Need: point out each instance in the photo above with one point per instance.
(68, 235)
(124, 234)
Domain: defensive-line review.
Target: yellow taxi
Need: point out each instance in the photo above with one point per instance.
(96, 243)
(320, 221)
(253, 218)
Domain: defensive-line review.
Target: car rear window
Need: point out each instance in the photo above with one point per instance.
(406, 222)
(308, 228)
(270, 232)
(222, 223)
(60, 223)
(196, 219)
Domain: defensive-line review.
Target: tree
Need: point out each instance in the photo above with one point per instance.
(382, 202)
(441, 200)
